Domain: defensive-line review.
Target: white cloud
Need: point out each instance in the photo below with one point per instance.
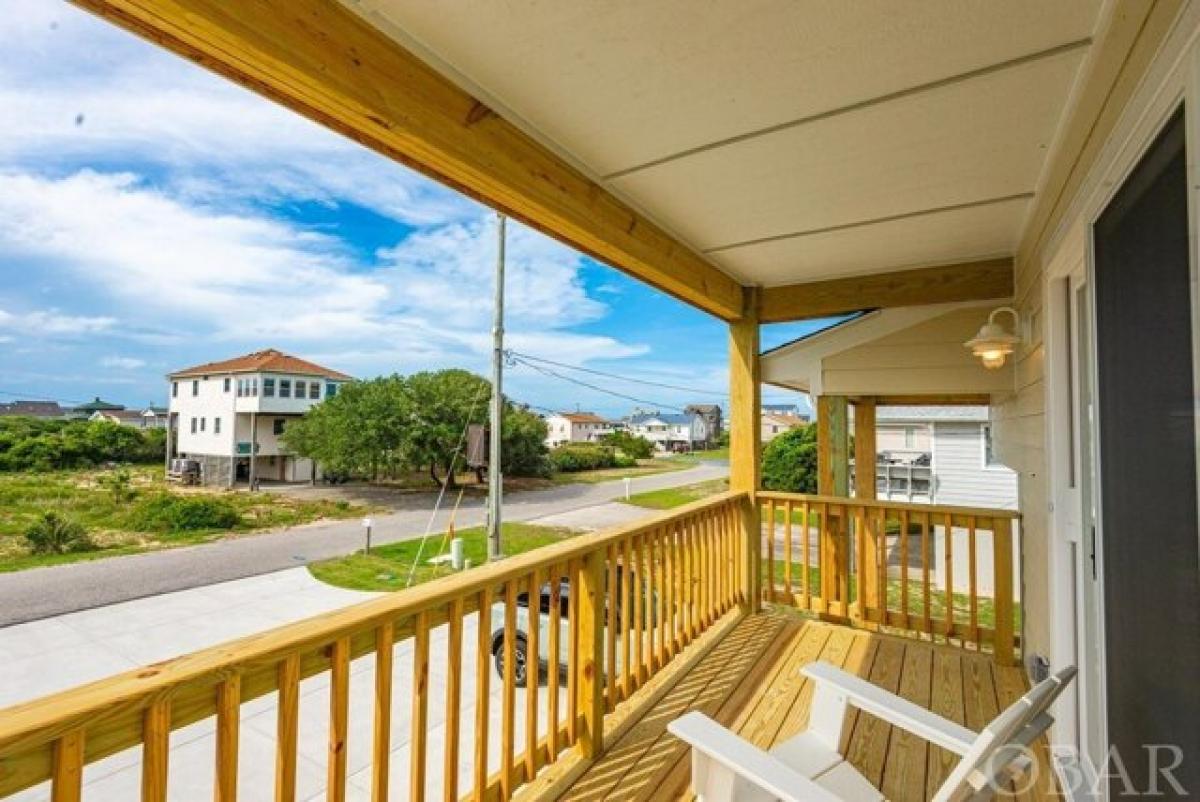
(123, 362)
(51, 322)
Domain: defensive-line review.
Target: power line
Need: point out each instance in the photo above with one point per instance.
(548, 372)
(623, 378)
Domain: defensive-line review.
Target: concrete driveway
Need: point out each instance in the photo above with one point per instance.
(42, 592)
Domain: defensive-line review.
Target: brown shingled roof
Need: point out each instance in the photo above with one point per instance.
(583, 417)
(270, 360)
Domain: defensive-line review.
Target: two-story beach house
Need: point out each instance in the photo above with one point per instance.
(229, 415)
(670, 432)
(575, 427)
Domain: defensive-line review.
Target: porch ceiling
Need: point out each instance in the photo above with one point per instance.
(787, 141)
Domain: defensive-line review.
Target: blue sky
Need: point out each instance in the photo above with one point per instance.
(154, 216)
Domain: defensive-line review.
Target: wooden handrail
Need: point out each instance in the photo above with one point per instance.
(850, 576)
(142, 706)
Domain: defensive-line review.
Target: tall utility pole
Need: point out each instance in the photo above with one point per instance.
(495, 478)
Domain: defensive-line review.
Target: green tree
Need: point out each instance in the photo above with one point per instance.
(523, 443)
(629, 444)
(54, 533)
(790, 461)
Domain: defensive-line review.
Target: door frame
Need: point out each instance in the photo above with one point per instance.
(1173, 79)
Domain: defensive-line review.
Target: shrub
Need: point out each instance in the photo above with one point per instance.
(119, 485)
(790, 461)
(582, 457)
(623, 461)
(164, 512)
(56, 534)
(631, 445)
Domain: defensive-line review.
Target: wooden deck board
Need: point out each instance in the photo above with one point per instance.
(751, 682)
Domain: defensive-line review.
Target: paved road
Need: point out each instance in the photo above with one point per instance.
(42, 592)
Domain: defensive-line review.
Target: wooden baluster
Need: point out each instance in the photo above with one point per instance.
(454, 669)
(670, 554)
(881, 557)
(339, 715)
(769, 584)
(949, 567)
(156, 745)
(229, 706)
(972, 582)
(691, 535)
(609, 600)
(712, 591)
(662, 601)
(420, 707)
(806, 555)
(574, 693)
(591, 627)
(554, 649)
(508, 715)
(926, 525)
(825, 560)
(532, 680)
(728, 594)
(700, 539)
(385, 642)
(1004, 647)
(904, 517)
(483, 673)
(641, 582)
(862, 534)
(685, 585)
(788, 511)
(66, 784)
(628, 579)
(841, 555)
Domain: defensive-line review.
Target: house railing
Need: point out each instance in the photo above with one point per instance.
(940, 571)
(637, 596)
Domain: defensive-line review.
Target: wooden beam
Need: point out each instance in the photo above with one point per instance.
(864, 448)
(833, 446)
(963, 400)
(319, 58)
(966, 281)
(745, 436)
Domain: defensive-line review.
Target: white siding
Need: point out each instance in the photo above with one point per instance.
(962, 478)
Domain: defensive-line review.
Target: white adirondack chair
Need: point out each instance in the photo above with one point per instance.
(809, 767)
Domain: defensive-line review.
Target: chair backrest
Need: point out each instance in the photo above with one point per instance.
(993, 750)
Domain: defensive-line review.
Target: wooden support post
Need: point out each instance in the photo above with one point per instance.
(864, 488)
(1002, 560)
(833, 475)
(590, 683)
(745, 440)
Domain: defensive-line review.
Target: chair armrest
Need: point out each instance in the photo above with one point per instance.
(746, 760)
(893, 709)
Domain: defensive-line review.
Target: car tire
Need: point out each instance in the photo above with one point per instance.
(521, 651)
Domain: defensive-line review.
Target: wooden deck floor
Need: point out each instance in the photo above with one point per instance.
(750, 681)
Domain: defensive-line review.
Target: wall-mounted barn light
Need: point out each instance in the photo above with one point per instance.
(993, 343)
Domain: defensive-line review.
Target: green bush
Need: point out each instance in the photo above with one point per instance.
(623, 461)
(582, 457)
(790, 461)
(31, 444)
(119, 484)
(164, 512)
(631, 445)
(53, 533)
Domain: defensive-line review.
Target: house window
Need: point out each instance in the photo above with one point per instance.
(193, 425)
(268, 388)
(254, 386)
(300, 388)
(314, 390)
(195, 387)
(330, 389)
(279, 425)
(216, 425)
(228, 381)
(285, 388)
(202, 424)
(989, 454)
(910, 437)
(241, 387)
(174, 389)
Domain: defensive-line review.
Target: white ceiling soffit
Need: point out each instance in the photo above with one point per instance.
(791, 140)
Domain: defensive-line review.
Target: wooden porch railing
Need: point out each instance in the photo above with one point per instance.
(637, 596)
(929, 569)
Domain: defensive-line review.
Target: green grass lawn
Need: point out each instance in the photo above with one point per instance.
(80, 496)
(646, 467)
(712, 453)
(388, 567)
(672, 497)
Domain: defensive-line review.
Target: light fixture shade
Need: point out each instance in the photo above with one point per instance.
(993, 343)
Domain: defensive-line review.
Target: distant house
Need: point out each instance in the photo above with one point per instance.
(775, 424)
(94, 406)
(229, 415)
(33, 409)
(148, 418)
(155, 417)
(789, 410)
(575, 427)
(713, 422)
(670, 432)
(940, 455)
